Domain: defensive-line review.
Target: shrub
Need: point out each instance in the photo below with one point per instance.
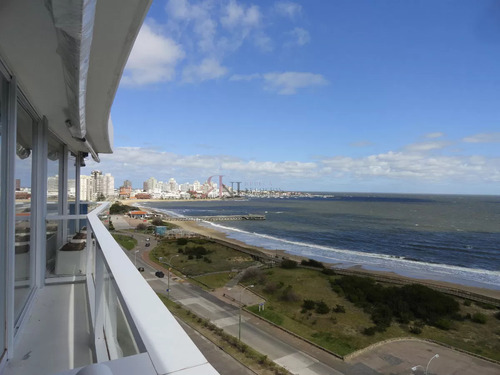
(182, 241)
(322, 308)
(497, 315)
(157, 221)
(141, 226)
(467, 302)
(289, 295)
(339, 309)
(444, 324)
(382, 316)
(288, 264)
(270, 288)
(479, 318)
(369, 331)
(328, 271)
(484, 305)
(308, 304)
(180, 251)
(415, 330)
(312, 263)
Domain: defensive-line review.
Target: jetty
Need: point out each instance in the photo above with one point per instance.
(214, 218)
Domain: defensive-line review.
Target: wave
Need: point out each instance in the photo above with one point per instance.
(374, 261)
(406, 266)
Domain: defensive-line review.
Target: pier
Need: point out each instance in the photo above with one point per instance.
(215, 218)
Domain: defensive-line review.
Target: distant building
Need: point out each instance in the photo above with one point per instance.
(125, 192)
(138, 214)
(86, 188)
(127, 184)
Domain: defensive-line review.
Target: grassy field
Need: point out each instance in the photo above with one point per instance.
(341, 332)
(190, 260)
(125, 241)
(216, 280)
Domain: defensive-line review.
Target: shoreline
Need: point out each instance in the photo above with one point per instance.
(356, 268)
(359, 269)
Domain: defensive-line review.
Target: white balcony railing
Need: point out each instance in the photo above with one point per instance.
(130, 323)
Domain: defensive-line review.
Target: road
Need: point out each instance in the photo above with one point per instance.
(295, 354)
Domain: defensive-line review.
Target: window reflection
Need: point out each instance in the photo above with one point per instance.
(52, 226)
(23, 251)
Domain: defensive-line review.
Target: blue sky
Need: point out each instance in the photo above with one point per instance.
(369, 96)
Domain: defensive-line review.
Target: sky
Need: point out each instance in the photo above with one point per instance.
(337, 95)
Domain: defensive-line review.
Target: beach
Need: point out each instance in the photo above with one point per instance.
(211, 232)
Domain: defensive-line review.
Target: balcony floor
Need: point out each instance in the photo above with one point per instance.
(56, 336)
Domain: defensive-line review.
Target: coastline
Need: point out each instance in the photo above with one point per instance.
(357, 269)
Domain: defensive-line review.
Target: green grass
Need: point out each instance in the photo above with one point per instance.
(126, 241)
(342, 332)
(267, 314)
(217, 280)
(220, 258)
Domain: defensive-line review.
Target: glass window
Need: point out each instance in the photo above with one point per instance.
(54, 152)
(3, 108)
(23, 252)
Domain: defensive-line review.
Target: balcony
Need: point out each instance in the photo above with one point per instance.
(97, 310)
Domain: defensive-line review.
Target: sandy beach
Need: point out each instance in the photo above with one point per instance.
(215, 234)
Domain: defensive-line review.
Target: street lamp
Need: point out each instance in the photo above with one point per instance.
(239, 322)
(169, 266)
(414, 368)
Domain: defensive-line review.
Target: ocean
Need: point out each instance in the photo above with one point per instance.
(441, 237)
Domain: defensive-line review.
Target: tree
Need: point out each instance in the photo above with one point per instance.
(157, 221)
(101, 197)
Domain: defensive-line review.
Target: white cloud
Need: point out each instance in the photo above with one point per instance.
(411, 166)
(434, 135)
(405, 167)
(200, 16)
(483, 138)
(288, 9)
(300, 36)
(208, 69)
(288, 83)
(153, 58)
(236, 15)
(427, 146)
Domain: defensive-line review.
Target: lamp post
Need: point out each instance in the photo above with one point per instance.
(169, 266)
(239, 320)
(414, 368)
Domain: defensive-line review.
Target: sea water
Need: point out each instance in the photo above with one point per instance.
(440, 237)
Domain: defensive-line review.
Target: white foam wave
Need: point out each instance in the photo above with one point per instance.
(375, 261)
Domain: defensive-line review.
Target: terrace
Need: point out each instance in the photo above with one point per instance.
(69, 297)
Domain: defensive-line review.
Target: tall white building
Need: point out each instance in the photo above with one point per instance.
(86, 188)
(173, 186)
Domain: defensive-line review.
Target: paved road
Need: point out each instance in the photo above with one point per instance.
(299, 357)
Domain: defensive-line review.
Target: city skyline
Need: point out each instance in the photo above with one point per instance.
(314, 96)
